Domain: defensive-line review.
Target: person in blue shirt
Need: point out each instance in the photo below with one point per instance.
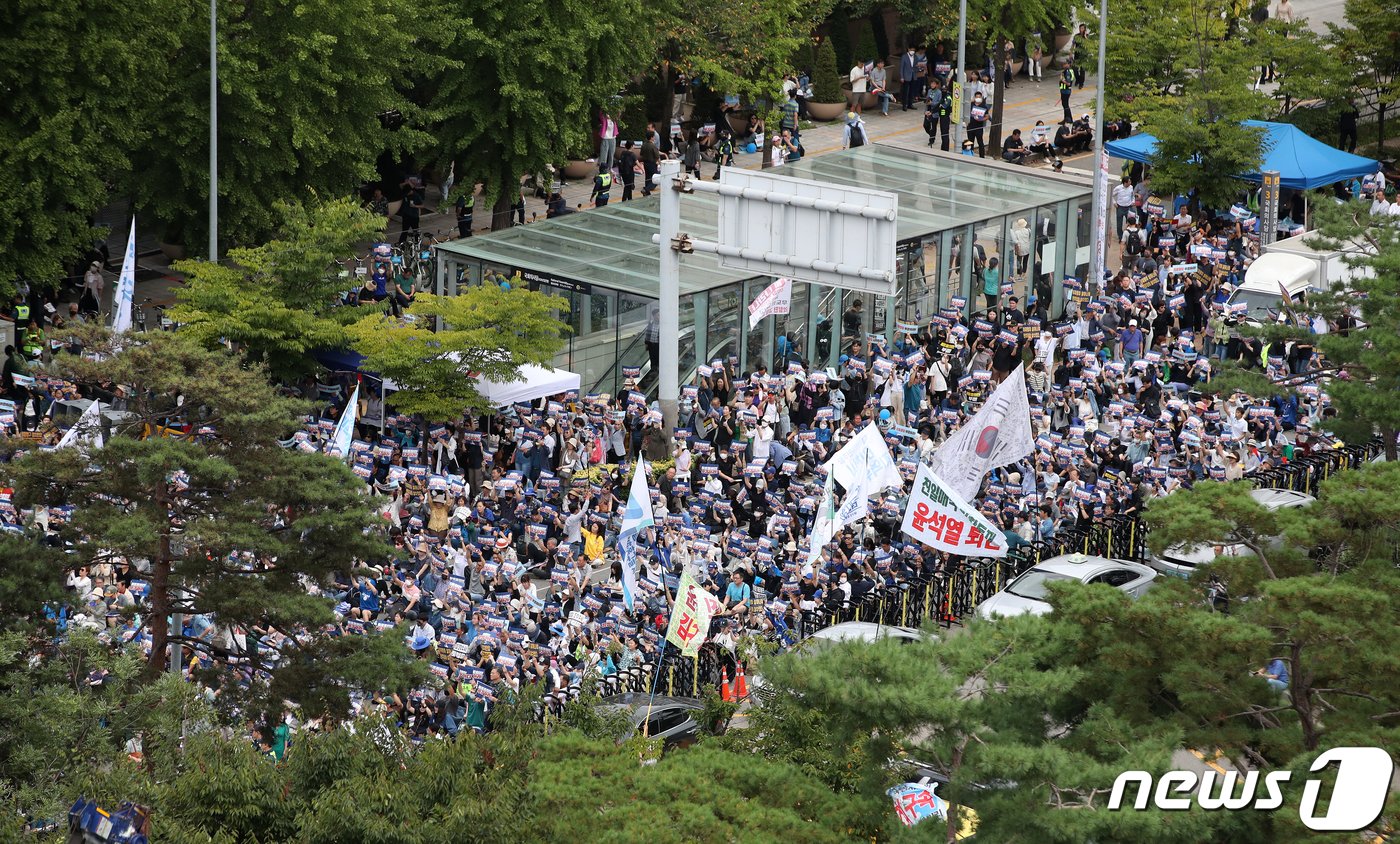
(737, 594)
(1276, 673)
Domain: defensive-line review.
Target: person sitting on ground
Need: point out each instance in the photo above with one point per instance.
(1040, 141)
(1014, 149)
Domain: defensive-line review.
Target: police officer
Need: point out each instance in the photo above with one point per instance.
(945, 117)
(724, 151)
(602, 185)
(466, 204)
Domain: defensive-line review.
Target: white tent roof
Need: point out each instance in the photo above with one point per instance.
(535, 382)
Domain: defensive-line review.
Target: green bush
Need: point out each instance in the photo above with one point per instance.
(838, 32)
(826, 82)
(866, 49)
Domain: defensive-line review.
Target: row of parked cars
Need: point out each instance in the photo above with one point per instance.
(1027, 593)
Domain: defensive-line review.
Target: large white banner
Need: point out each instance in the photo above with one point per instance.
(776, 299)
(1000, 433)
(940, 518)
(824, 528)
(1101, 222)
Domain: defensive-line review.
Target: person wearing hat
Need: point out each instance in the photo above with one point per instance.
(853, 132)
(94, 285)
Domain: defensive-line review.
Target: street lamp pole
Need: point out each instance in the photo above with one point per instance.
(1100, 207)
(213, 131)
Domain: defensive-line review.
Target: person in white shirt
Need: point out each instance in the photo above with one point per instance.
(1379, 205)
(859, 85)
(607, 141)
(1123, 198)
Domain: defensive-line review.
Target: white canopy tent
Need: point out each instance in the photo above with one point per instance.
(535, 382)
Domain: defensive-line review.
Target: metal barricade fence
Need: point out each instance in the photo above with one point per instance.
(951, 595)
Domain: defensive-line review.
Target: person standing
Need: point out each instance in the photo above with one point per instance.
(945, 116)
(410, 213)
(465, 205)
(853, 133)
(602, 187)
(977, 124)
(627, 170)
(859, 85)
(1081, 48)
(607, 141)
(1124, 198)
(1346, 126)
(651, 158)
(93, 286)
(908, 79)
(1066, 88)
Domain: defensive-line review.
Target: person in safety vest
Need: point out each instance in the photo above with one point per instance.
(602, 185)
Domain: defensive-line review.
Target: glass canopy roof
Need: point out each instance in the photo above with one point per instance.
(611, 246)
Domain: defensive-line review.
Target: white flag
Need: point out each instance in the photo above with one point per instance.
(1000, 433)
(863, 467)
(776, 299)
(345, 428)
(824, 528)
(126, 285)
(636, 517)
(940, 518)
(88, 429)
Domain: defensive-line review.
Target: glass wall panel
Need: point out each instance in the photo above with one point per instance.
(987, 258)
(594, 342)
(758, 339)
(922, 288)
(855, 318)
(827, 343)
(723, 327)
(795, 326)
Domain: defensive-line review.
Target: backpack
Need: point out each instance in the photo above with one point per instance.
(930, 122)
(857, 135)
(1132, 243)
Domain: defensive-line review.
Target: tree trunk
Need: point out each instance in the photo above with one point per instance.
(160, 607)
(998, 97)
(1300, 692)
(500, 212)
(1389, 435)
(668, 82)
(1380, 129)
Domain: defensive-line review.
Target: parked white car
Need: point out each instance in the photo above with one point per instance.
(1183, 560)
(1028, 592)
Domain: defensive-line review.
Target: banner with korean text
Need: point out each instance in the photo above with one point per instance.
(690, 617)
(940, 518)
(775, 300)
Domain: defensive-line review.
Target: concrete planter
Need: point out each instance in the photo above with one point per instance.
(825, 111)
(577, 169)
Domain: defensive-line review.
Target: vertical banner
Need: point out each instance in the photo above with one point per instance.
(776, 300)
(957, 102)
(636, 516)
(1268, 207)
(1101, 222)
(126, 285)
(345, 428)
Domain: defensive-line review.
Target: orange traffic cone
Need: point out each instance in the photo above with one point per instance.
(724, 693)
(741, 685)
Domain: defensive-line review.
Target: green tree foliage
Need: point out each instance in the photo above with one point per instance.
(1313, 79)
(1369, 46)
(278, 302)
(826, 81)
(526, 83)
(514, 785)
(1202, 144)
(72, 113)
(487, 331)
(192, 503)
(300, 90)
(1031, 719)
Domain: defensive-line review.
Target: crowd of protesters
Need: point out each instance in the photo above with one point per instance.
(505, 573)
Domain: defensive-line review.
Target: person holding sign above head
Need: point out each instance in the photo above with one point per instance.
(977, 123)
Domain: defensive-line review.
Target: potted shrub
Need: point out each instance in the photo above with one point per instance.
(828, 102)
(581, 165)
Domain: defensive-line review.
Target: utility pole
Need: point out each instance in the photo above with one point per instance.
(956, 91)
(1100, 207)
(213, 131)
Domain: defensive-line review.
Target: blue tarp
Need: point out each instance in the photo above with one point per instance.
(1303, 162)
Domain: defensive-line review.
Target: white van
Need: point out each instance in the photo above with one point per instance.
(1293, 266)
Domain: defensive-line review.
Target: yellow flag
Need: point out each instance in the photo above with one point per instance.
(690, 617)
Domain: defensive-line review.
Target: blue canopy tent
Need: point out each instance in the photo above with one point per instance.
(1303, 163)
